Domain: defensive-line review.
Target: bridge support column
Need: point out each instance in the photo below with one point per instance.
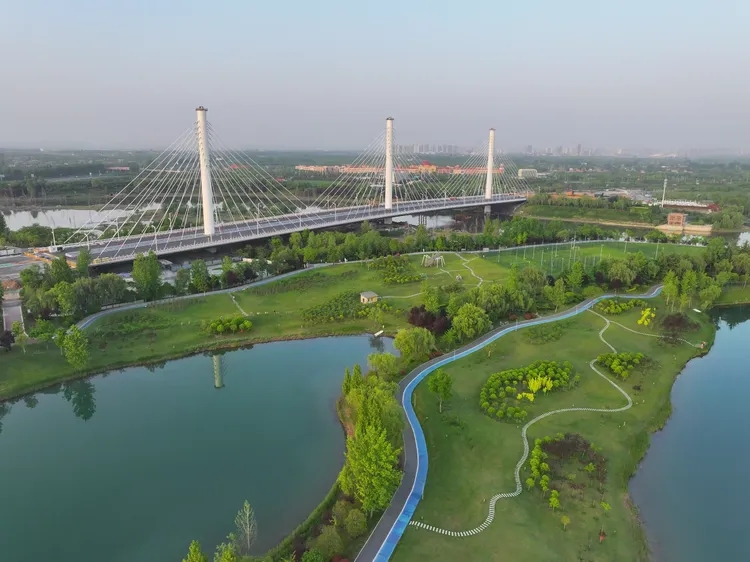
(207, 194)
(490, 165)
(389, 163)
(487, 210)
(218, 373)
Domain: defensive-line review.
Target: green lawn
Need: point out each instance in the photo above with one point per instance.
(614, 215)
(734, 294)
(167, 331)
(471, 462)
(554, 259)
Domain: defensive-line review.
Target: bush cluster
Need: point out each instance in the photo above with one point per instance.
(396, 270)
(503, 394)
(422, 318)
(344, 305)
(620, 364)
(544, 333)
(618, 306)
(227, 325)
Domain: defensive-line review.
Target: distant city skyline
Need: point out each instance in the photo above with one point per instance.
(324, 75)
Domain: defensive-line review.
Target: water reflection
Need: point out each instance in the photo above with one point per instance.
(732, 315)
(218, 371)
(81, 395)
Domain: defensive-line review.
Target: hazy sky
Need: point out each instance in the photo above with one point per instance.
(326, 73)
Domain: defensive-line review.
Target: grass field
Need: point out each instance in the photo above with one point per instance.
(614, 215)
(473, 459)
(166, 331)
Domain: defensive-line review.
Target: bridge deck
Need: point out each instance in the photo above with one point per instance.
(124, 249)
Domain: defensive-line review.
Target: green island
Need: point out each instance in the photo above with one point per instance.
(432, 303)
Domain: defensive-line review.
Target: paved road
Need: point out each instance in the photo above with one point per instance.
(386, 535)
(163, 243)
(11, 266)
(12, 311)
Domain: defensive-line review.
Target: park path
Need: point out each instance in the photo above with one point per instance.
(398, 515)
(526, 448)
(465, 263)
(12, 311)
(517, 474)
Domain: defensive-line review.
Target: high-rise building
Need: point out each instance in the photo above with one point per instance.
(578, 149)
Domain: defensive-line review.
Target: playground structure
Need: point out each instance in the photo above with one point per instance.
(433, 261)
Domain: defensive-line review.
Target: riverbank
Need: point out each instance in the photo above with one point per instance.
(473, 456)
(168, 330)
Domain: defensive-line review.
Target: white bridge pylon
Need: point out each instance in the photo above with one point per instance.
(199, 193)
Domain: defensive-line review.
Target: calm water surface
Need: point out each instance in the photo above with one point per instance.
(692, 488)
(131, 467)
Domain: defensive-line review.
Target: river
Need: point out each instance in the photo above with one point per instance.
(132, 466)
(691, 487)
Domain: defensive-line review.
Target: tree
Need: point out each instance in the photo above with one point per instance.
(329, 542)
(7, 339)
(199, 276)
(565, 520)
(60, 271)
(59, 339)
(370, 473)
(430, 298)
(556, 293)
(227, 273)
(83, 260)
(469, 322)
(226, 552)
(741, 263)
(415, 344)
(384, 364)
(2, 293)
(440, 383)
(576, 276)
(709, 295)
(619, 270)
(671, 288)
(75, 347)
(19, 334)
(195, 554)
(688, 286)
(247, 529)
(182, 281)
(147, 276)
(356, 523)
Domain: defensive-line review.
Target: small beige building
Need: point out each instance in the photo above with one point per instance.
(368, 297)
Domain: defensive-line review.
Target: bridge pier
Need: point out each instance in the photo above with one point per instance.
(389, 163)
(490, 165)
(207, 194)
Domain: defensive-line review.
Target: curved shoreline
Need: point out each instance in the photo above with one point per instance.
(384, 538)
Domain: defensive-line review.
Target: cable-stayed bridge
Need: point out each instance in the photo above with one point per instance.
(199, 193)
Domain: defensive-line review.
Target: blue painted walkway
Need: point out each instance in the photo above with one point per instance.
(389, 530)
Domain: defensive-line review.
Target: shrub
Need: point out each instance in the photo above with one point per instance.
(422, 318)
(678, 322)
(356, 523)
(395, 270)
(329, 543)
(340, 511)
(501, 392)
(227, 325)
(544, 333)
(620, 364)
(313, 555)
(592, 291)
(618, 306)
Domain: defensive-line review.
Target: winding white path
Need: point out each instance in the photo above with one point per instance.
(465, 264)
(519, 465)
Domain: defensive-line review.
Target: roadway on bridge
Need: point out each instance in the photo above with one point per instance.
(162, 243)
